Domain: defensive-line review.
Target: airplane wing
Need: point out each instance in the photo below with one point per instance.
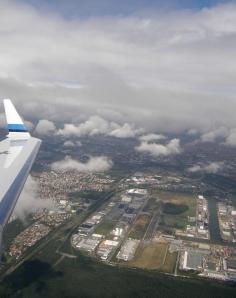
(17, 154)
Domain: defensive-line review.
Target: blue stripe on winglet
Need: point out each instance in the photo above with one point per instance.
(16, 128)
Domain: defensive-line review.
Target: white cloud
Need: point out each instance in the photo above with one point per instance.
(93, 126)
(192, 132)
(125, 131)
(96, 125)
(211, 136)
(45, 127)
(70, 143)
(94, 164)
(151, 137)
(212, 167)
(173, 147)
(231, 138)
(195, 168)
(30, 201)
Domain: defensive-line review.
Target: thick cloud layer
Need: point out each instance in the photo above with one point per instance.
(165, 72)
(94, 164)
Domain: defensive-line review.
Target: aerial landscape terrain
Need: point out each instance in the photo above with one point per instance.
(148, 227)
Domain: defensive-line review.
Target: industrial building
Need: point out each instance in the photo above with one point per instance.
(128, 250)
(105, 248)
(192, 260)
(90, 243)
(137, 192)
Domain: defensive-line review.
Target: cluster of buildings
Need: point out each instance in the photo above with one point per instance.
(86, 239)
(198, 226)
(216, 262)
(88, 244)
(121, 212)
(192, 258)
(202, 223)
(208, 260)
(57, 184)
(94, 244)
(164, 181)
(176, 183)
(144, 179)
(55, 218)
(106, 248)
(64, 188)
(28, 238)
(227, 222)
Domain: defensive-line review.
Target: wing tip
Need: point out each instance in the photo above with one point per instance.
(15, 125)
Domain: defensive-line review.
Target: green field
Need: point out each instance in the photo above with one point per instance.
(174, 218)
(91, 195)
(152, 204)
(105, 227)
(169, 264)
(150, 257)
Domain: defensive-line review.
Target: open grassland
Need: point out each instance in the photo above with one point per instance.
(180, 200)
(150, 257)
(152, 204)
(169, 264)
(105, 227)
(140, 226)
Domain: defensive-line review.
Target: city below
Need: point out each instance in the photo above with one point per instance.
(147, 221)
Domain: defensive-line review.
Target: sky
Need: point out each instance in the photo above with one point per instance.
(89, 8)
(126, 66)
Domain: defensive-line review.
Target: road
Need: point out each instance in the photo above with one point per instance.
(176, 264)
(151, 229)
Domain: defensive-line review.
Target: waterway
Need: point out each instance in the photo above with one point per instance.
(215, 236)
(213, 222)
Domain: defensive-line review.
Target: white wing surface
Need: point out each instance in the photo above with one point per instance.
(17, 154)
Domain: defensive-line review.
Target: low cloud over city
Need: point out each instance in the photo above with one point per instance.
(94, 164)
(210, 168)
(172, 147)
(30, 201)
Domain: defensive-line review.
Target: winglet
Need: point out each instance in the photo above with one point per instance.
(15, 125)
